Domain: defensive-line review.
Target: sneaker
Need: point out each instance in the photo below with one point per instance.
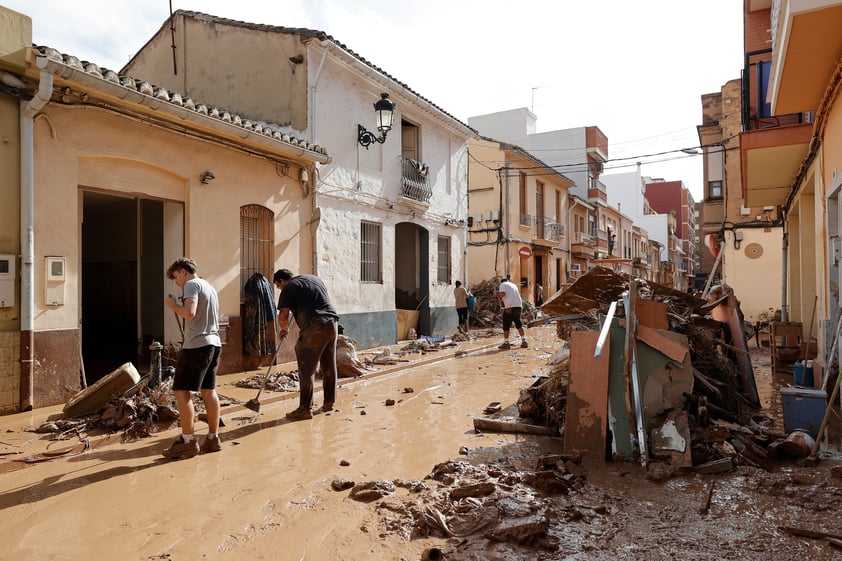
(524, 344)
(300, 414)
(505, 346)
(211, 444)
(327, 406)
(181, 449)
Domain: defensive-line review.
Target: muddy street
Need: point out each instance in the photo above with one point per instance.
(270, 493)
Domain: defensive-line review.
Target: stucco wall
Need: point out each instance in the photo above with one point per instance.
(210, 55)
(86, 147)
(755, 279)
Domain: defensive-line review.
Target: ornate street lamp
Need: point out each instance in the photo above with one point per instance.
(385, 111)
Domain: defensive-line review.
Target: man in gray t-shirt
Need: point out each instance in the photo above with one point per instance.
(199, 357)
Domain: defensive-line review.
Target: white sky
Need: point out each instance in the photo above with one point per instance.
(635, 69)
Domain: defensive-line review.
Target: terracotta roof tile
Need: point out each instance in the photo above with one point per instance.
(272, 130)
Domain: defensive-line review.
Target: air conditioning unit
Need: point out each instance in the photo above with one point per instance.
(744, 211)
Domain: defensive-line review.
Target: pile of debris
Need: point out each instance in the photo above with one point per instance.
(500, 503)
(487, 311)
(136, 413)
(693, 375)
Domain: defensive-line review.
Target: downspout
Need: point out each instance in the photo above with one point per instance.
(28, 111)
(784, 280)
(316, 211)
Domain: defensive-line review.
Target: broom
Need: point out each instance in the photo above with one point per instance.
(254, 403)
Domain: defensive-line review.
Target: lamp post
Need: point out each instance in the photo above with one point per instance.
(385, 112)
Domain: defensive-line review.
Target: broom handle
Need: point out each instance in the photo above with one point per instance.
(815, 452)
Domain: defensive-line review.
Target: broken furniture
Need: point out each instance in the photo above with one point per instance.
(95, 396)
(787, 337)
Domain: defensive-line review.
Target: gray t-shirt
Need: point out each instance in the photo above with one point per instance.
(203, 329)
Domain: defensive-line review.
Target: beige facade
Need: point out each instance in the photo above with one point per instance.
(117, 171)
(790, 152)
(750, 237)
(520, 219)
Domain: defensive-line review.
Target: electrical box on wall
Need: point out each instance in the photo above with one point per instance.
(55, 273)
(7, 281)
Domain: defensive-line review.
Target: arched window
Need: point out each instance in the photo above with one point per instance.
(257, 240)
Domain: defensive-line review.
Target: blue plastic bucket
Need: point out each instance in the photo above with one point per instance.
(798, 373)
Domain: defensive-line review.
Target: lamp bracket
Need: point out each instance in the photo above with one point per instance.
(366, 138)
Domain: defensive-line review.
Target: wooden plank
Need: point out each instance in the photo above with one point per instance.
(675, 351)
(504, 425)
(586, 417)
(652, 314)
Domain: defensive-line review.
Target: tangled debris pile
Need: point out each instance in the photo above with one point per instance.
(717, 404)
(497, 502)
(136, 413)
(487, 312)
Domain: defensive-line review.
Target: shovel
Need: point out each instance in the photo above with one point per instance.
(254, 403)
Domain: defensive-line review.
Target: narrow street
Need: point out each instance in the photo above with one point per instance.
(268, 494)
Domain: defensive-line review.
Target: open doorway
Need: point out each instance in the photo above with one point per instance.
(412, 279)
(122, 286)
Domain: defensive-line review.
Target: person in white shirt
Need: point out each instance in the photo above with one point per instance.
(509, 293)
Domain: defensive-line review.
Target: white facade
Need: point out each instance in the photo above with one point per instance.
(565, 150)
(365, 185)
(402, 202)
(625, 192)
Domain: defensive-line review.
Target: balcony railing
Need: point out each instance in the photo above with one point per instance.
(415, 183)
(553, 230)
(584, 239)
(543, 228)
(756, 111)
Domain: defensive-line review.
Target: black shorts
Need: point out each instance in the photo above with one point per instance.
(197, 369)
(462, 313)
(512, 316)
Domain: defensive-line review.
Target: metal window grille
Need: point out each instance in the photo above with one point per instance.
(256, 242)
(444, 260)
(371, 252)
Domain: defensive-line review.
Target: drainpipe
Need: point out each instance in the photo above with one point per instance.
(28, 111)
(785, 258)
(316, 211)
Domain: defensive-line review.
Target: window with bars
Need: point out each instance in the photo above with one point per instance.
(444, 260)
(257, 238)
(371, 252)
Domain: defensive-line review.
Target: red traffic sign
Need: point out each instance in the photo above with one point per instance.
(524, 252)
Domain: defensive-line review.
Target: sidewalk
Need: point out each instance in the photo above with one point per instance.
(17, 438)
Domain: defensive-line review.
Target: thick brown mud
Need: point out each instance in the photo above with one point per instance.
(268, 494)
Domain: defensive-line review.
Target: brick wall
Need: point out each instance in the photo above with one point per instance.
(9, 372)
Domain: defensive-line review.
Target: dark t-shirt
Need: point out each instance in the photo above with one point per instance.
(307, 299)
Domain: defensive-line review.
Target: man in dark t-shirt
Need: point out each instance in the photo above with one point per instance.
(306, 298)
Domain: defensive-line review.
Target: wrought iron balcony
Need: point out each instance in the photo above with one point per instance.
(415, 183)
(543, 228)
(584, 239)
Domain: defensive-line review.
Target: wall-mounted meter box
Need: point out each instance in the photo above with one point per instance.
(54, 269)
(7, 281)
